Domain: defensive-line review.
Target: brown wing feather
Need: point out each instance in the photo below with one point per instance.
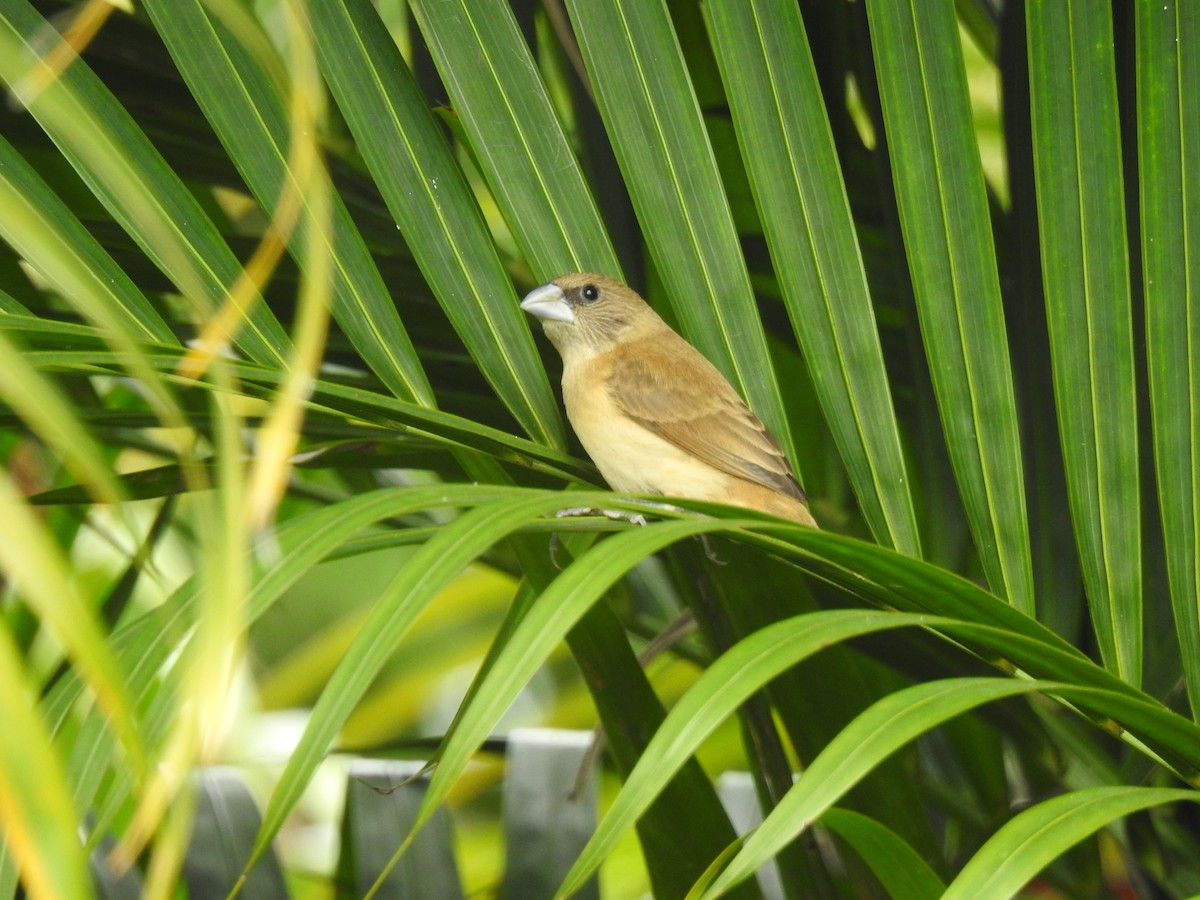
(669, 388)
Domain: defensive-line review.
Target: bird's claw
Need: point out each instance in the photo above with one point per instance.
(710, 552)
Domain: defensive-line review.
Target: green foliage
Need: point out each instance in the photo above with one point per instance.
(277, 435)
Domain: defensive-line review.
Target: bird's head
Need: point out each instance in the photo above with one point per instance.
(586, 313)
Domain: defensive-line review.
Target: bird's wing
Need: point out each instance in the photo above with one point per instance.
(669, 388)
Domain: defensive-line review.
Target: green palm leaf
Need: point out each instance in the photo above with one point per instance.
(1086, 271)
(944, 215)
(784, 132)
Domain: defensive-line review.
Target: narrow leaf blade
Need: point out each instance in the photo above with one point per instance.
(785, 137)
(947, 233)
(1085, 267)
(1168, 86)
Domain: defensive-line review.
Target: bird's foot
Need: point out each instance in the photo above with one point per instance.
(573, 511)
(617, 515)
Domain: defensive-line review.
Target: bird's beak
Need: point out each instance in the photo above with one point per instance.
(549, 303)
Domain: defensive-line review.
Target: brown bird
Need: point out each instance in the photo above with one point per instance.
(655, 416)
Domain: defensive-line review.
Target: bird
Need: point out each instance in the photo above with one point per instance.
(655, 416)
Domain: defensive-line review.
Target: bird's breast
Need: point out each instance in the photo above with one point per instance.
(631, 458)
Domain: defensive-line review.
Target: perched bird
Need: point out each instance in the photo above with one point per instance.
(655, 416)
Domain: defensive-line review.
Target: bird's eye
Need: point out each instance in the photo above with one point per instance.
(590, 293)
